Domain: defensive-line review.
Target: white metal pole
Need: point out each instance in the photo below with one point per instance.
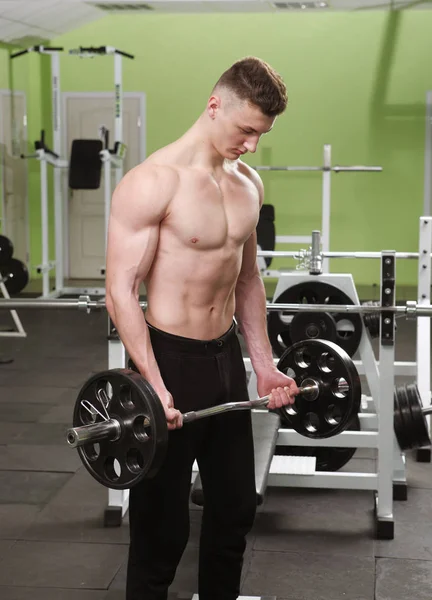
(107, 196)
(424, 323)
(385, 405)
(116, 350)
(58, 195)
(326, 191)
(428, 157)
(44, 227)
(118, 126)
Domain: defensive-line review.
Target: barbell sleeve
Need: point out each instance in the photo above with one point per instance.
(427, 410)
(89, 434)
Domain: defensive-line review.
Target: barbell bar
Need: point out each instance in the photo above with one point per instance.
(301, 254)
(410, 309)
(110, 429)
(336, 168)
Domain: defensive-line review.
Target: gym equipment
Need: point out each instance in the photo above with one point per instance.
(265, 426)
(326, 169)
(284, 328)
(133, 431)
(327, 458)
(14, 275)
(6, 249)
(372, 320)
(85, 169)
(45, 155)
(335, 399)
(410, 423)
(410, 309)
(266, 232)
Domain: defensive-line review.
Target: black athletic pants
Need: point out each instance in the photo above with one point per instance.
(198, 374)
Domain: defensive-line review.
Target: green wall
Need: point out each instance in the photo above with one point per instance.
(355, 80)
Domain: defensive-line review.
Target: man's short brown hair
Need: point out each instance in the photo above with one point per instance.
(255, 81)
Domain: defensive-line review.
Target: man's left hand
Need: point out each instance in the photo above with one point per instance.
(281, 388)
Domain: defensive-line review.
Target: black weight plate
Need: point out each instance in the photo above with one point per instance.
(406, 418)
(348, 326)
(398, 421)
(327, 458)
(6, 249)
(317, 326)
(338, 399)
(372, 320)
(420, 436)
(141, 448)
(266, 232)
(15, 274)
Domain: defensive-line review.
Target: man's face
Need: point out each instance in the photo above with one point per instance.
(238, 127)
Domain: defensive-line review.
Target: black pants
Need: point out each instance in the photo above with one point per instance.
(198, 374)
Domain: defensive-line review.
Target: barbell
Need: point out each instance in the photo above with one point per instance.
(120, 429)
(410, 309)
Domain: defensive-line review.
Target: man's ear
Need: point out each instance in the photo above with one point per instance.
(213, 105)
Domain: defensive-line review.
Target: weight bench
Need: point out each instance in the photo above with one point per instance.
(265, 428)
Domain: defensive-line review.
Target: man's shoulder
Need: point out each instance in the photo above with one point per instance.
(251, 174)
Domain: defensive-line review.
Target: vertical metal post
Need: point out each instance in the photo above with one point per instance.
(428, 157)
(326, 209)
(118, 500)
(58, 195)
(386, 410)
(424, 323)
(44, 227)
(118, 126)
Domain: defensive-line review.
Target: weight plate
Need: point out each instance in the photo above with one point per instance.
(406, 420)
(15, 274)
(399, 422)
(141, 447)
(318, 326)
(348, 326)
(420, 434)
(332, 409)
(6, 249)
(372, 320)
(327, 458)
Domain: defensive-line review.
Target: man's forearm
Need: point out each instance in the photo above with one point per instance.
(130, 323)
(251, 314)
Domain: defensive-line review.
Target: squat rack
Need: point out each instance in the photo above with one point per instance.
(326, 168)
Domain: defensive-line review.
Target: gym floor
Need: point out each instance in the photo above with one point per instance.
(305, 545)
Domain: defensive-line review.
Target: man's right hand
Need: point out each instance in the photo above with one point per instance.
(173, 416)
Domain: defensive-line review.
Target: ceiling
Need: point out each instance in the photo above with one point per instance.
(28, 22)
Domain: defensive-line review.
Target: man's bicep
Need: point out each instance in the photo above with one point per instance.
(249, 259)
(133, 234)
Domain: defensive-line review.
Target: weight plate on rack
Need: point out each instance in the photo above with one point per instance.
(327, 458)
(348, 326)
(420, 433)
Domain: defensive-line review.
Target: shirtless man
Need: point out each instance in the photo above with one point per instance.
(184, 223)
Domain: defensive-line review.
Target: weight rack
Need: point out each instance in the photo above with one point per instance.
(376, 418)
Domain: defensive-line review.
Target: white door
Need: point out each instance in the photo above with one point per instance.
(13, 142)
(84, 116)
